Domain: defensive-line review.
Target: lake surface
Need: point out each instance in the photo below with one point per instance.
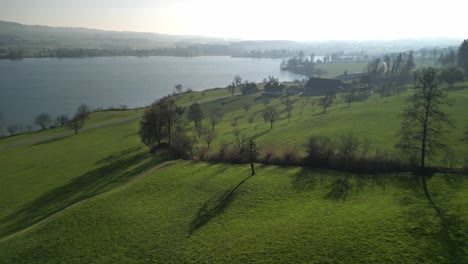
(32, 86)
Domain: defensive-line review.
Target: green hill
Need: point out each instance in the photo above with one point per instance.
(182, 212)
(100, 197)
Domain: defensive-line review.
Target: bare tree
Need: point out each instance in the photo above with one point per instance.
(271, 114)
(43, 120)
(348, 147)
(179, 88)
(251, 119)
(75, 124)
(252, 152)
(326, 101)
(349, 97)
(247, 107)
(123, 107)
(237, 80)
(423, 121)
(289, 106)
(83, 112)
(208, 135)
(215, 117)
(180, 110)
(231, 88)
(12, 129)
(195, 114)
(168, 109)
(62, 119)
(234, 123)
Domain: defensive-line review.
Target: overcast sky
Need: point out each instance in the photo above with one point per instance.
(252, 19)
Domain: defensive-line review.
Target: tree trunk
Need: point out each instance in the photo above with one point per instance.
(252, 167)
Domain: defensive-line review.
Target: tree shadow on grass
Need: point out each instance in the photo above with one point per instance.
(448, 231)
(305, 180)
(339, 189)
(92, 183)
(118, 155)
(342, 185)
(49, 140)
(214, 207)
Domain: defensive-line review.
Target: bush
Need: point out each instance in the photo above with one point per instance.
(182, 146)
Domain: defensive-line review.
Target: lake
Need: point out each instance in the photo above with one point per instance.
(32, 86)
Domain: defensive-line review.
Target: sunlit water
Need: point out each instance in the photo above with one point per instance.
(32, 86)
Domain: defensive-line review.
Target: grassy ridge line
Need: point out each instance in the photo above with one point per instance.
(180, 213)
(56, 133)
(63, 170)
(66, 133)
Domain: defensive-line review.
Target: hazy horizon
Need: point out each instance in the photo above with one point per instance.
(250, 20)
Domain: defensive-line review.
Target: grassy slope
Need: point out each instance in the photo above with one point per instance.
(95, 118)
(179, 213)
(62, 171)
(131, 228)
(377, 119)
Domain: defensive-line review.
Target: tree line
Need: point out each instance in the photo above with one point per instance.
(45, 121)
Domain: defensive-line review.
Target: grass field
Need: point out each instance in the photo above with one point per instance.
(95, 118)
(40, 179)
(185, 212)
(377, 119)
(335, 69)
(100, 197)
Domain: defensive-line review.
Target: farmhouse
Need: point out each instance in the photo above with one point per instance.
(275, 88)
(319, 86)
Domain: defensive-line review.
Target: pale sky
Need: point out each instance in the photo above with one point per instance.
(252, 19)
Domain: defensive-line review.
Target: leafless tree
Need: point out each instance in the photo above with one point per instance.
(43, 120)
(271, 114)
(179, 88)
(83, 112)
(62, 119)
(247, 107)
(251, 119)
(208, 135)
(75, 124)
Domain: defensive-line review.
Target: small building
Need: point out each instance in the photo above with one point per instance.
(293, 89)
(275, 88)
(249, 88)
(320, 87)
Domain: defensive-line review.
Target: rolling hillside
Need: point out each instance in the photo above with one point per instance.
(100, 197)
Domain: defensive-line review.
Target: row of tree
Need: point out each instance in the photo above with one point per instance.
(46, 121)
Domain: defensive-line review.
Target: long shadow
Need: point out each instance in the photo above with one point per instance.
(49, 141)
(214, 207)
(118, 155)
(304, 180)
(80, 188)
(451, 234)
(343, 185)
(259, 134)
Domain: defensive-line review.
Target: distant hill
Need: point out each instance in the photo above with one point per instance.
(15, 35)
(37, 41)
